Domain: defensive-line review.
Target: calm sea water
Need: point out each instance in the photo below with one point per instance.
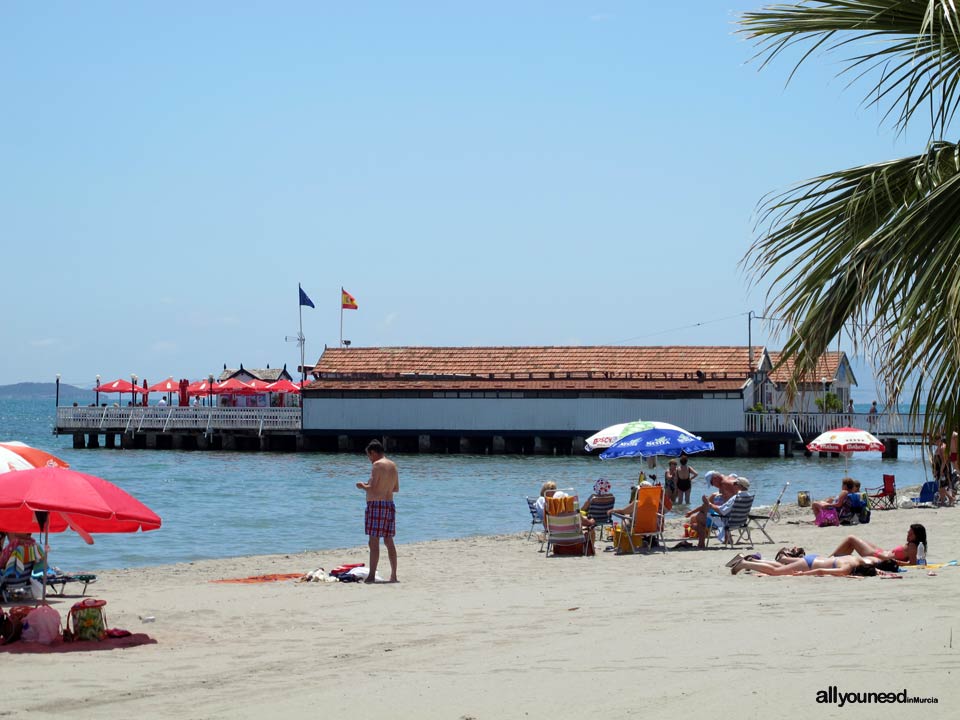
(216, 504)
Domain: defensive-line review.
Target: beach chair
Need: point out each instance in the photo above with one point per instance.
(598, 511)
(55, 577)
(883, 498)
(737, 520)
(564, 529)
(535, 517)
(645, 524)
(15, 583)
(929, 494)
(759, 520)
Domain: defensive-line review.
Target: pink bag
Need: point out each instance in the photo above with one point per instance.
(827, 517)
(42, 626)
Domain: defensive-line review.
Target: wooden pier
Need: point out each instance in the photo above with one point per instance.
(279, 428)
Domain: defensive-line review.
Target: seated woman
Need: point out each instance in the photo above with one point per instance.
(548, 489)
(846, 487)
(815, 565)
(712, 510)
(905, 554)
(600, 488)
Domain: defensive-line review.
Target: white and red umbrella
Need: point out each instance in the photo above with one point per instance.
(234, 387)
(845, 440)
(283, 386)
(15, 455)
(165, 386)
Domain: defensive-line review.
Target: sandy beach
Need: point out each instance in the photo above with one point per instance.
(488, 627)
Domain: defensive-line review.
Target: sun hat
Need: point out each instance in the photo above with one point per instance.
(601, 487)
(710, 474)
(743, 482)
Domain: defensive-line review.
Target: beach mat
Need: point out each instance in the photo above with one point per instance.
(134, 640)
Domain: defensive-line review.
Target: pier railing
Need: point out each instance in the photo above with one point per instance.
(156, 418)
(807, 424)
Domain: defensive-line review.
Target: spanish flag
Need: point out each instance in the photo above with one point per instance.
(347, 301)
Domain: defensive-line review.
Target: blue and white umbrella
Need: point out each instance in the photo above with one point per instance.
(671, 442)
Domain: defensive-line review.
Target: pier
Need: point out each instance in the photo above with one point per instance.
(280, 429)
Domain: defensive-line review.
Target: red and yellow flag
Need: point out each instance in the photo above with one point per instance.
(347, 301)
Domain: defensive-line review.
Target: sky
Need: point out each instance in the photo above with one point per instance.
(497, 173)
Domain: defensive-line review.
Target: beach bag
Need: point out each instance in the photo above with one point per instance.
(42, 626)
(827, 517)
(11, 625)
(803, 498)
(865, 516)
(86, 621)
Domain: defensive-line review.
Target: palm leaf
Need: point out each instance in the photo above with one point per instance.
(915, 50)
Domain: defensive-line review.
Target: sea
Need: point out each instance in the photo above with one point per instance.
(228, 504)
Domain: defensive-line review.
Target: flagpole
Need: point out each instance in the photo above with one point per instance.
(301, 342)
(341, 317)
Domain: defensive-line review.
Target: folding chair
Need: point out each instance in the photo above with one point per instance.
(646, 521)
(760, 520)
(737, 519)
(535, 516)
(929, 493)
(15, 583)
(883, 498)
(56, 577)
(597, 510)
(564, 529)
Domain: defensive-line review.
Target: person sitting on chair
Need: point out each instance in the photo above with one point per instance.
(905, 554)
(846, 487)
(548, 489)
(836, 566)
(711, 512)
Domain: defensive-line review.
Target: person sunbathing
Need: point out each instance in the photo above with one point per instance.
(821, 565)
(905, 554)
(846, 487)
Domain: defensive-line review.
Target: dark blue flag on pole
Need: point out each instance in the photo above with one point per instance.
(304, 300)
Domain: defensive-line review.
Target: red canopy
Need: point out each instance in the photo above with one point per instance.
(233, 387)
(199, 387)
(166, 386)
(283, 386)
(119, 386)
(259, 385)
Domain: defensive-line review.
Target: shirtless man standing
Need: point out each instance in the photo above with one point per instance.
(380, 519)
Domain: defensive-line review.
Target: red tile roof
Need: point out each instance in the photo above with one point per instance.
(552, 367)
(827, 367)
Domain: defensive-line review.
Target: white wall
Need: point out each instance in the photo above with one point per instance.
(518, 415)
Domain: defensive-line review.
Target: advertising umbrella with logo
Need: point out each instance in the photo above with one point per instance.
(846, 441)
(608, 436)
(15, 455)
(653, 441)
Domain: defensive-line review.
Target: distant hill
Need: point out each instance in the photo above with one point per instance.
(45, 391)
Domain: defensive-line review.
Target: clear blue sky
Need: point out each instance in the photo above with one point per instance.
(498, 173)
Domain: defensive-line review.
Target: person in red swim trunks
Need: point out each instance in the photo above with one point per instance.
(380, 518)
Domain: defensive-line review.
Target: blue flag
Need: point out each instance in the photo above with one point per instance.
(304, 300)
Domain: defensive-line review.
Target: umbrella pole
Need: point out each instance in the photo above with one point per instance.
(46, 562)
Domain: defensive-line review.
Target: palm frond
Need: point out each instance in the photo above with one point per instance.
(877, 245)
(915, 61)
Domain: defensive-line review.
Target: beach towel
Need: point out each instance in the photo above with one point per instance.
(276, 577)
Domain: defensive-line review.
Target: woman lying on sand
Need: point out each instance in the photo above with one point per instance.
(815, 565)
(905, 554)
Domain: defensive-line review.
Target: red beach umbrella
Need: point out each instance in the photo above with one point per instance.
(52, 499)
(258, 385)
(198, 387)
(15, 455)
